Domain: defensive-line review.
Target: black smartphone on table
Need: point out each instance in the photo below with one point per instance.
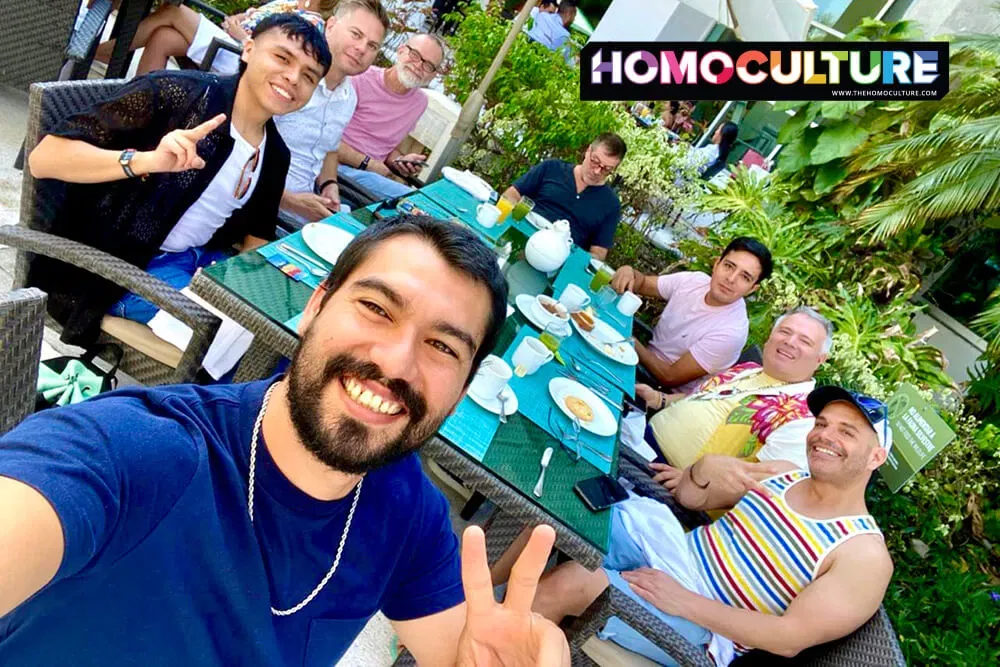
(599, 493)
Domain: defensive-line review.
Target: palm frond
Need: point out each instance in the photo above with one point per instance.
(971, 135)
(988, 324)
(987, 43)
(967, 184)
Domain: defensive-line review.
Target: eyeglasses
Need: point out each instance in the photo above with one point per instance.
(425, 65)
(605, 169)
(246, 175)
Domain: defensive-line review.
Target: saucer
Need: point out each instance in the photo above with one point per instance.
(493, 404)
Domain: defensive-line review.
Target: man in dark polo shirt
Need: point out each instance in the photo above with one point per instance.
(578, 193)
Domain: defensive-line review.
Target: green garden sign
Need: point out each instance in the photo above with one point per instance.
(918, 434)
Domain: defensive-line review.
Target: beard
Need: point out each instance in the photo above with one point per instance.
(344, 443)
(408, 79)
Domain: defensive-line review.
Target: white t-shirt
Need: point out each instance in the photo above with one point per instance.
(211, 210)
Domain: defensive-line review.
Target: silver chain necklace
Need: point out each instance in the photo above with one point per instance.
(347, 525)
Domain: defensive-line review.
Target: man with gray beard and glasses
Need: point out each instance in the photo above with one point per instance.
(265, 523)
(390, 102)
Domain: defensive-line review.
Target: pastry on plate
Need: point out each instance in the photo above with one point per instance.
(579, 408)
(584, 319)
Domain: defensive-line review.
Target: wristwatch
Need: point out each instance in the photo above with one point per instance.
(125, 160)
(364, 163)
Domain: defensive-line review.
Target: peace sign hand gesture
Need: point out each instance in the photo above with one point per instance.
(508, 633)
(177, 150)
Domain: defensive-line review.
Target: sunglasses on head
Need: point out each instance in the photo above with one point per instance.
(875, 410)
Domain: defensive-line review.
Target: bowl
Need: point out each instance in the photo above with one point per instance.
(552, 308)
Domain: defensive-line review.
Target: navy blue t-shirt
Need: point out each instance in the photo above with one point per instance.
(592, 214)
(162, 565)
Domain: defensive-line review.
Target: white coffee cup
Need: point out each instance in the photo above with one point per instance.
(530, 355)
(628, 304)
(493, 375)
(574, 298)
(487, 214)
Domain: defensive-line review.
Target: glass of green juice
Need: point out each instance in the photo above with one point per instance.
(601, 278)
(522, 208)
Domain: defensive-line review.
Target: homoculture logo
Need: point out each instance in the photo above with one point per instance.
(763, 70)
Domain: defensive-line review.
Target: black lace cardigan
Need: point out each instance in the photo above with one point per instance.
(131, 218)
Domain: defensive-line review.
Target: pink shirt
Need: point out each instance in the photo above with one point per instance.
(383, 118)
(714, 335)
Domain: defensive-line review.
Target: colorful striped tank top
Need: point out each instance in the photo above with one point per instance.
(762, 553)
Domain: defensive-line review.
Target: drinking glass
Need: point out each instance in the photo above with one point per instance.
(522, 208)
(506, 206)
(553, 336)
(601, 278)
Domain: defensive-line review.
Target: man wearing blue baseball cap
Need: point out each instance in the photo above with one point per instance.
(797, 561)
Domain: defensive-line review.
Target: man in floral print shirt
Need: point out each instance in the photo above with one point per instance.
(752, 412)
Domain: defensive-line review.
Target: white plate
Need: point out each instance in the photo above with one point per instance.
(603, 423)
(602, 334)
(528, 305)
(326, 240)
(493, 404)
(538, 221)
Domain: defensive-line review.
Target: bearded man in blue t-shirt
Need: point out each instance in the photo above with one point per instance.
(265, 523)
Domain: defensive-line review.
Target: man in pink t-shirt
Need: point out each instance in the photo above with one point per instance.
(390, 103)
(704, 326)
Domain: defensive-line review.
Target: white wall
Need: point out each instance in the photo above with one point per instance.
(941, 17)
(634, 20)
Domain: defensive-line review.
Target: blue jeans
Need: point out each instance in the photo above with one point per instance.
(174, 268)
(383, 187)
(623, 555)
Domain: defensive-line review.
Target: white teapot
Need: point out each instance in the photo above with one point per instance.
(548, 249)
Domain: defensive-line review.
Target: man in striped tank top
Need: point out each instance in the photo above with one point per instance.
(797, 560)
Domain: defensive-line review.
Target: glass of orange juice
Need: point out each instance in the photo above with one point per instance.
(506, 206)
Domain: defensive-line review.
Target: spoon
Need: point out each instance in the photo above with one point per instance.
(503, 400)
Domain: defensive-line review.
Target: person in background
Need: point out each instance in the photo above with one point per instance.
(390, 102)
(551, 30)
(175, 30)
(712, 157)
(704, 326)
(313, 134)
(173, 170)
(578, 193)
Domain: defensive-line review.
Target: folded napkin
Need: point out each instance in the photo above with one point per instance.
(231, 341)
(469, 182)
(74, 384)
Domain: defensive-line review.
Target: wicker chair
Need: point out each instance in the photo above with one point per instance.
(148, 359)
(22, 318)
(873, 645)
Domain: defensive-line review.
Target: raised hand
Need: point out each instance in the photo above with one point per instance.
(177, 150)
(508, 633)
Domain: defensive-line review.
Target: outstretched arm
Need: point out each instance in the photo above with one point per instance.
(76, 161)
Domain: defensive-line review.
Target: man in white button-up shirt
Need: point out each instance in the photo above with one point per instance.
(312, 134)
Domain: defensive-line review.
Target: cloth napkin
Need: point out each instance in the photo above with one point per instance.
(231, 341)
